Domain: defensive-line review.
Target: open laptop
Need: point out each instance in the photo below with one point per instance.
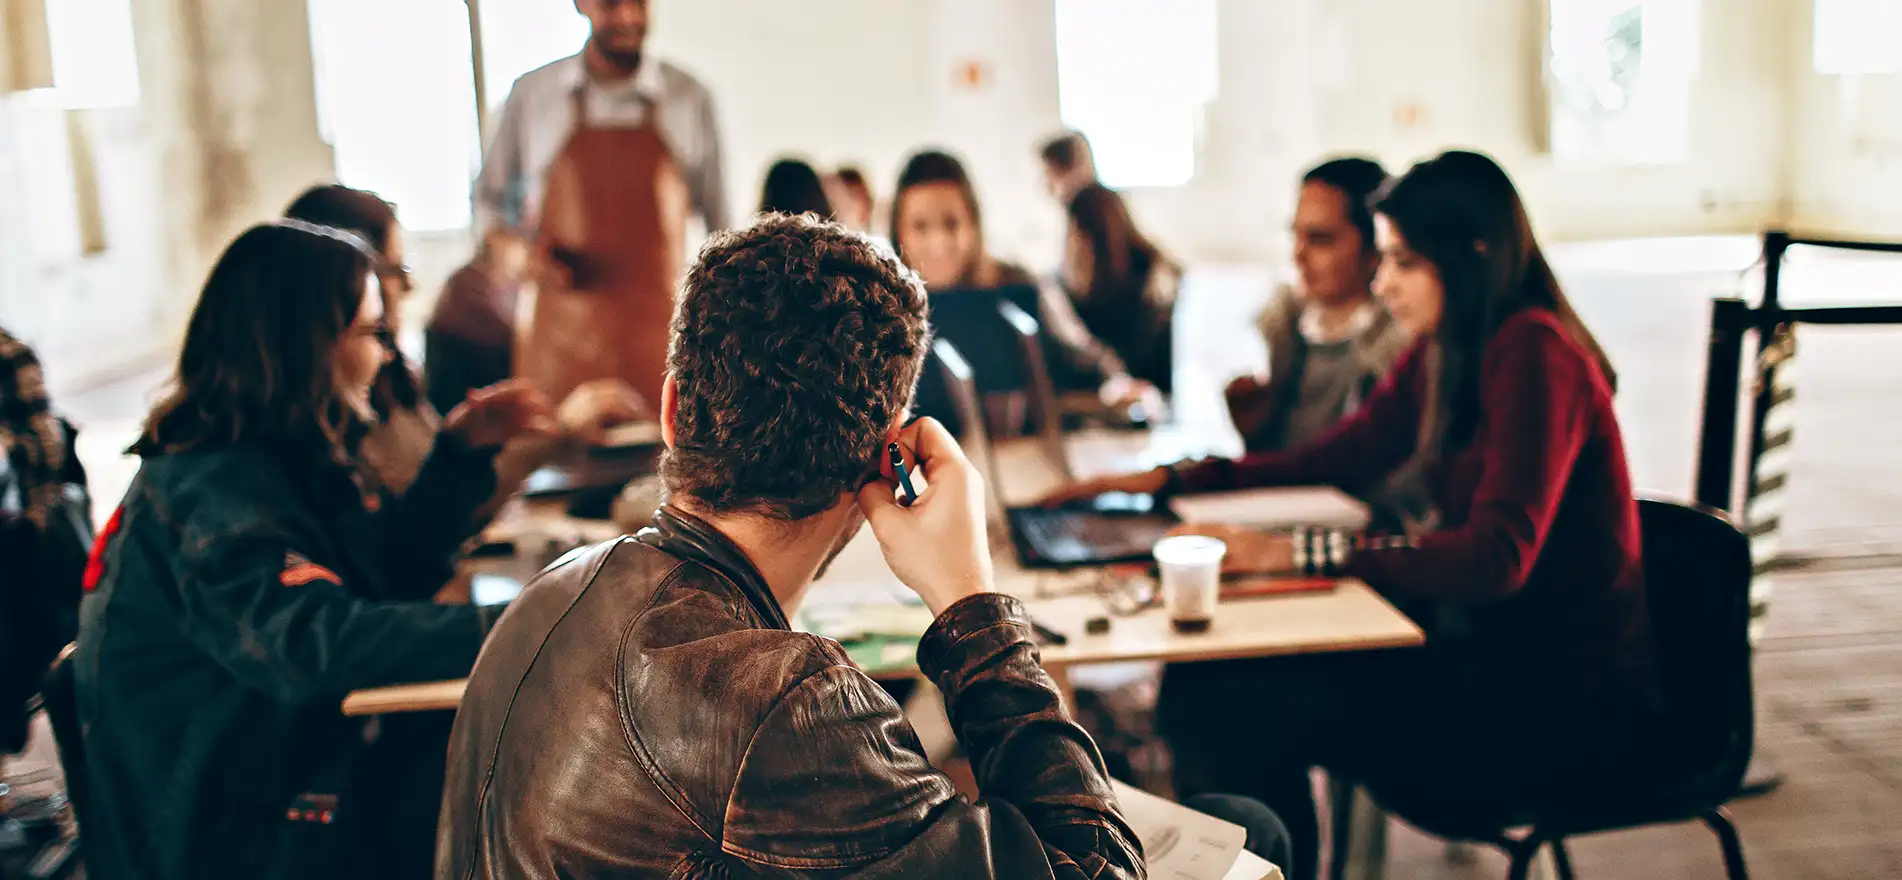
(1106, 531)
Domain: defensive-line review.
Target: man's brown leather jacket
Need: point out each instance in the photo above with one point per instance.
(644, 711)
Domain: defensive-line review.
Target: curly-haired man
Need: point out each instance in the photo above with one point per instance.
(643, 709)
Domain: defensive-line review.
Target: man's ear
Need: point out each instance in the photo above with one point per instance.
(669, 407)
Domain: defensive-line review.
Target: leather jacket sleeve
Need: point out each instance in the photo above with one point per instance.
(835, 783)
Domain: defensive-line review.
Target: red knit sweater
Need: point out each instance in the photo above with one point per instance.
(1539, 545)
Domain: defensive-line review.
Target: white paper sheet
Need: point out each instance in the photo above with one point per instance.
(1274, 508)
(1182, 844)
(1249, 866)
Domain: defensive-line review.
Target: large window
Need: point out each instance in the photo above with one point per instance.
(521, 35)
(1621, 73)
(1853, 37)
(95, 63)
(396, 90)
(396, 101)
(1135, 76)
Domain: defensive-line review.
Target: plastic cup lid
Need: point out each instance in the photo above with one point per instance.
(1190, 550)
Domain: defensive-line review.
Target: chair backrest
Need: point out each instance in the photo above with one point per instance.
(1697, 577)
(60, 697)
(1042, 391)
(968, 318)
(960, 387)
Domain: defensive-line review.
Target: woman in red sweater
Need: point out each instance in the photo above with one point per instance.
(1493, 444)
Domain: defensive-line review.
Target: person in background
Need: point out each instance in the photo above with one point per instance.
(777, 416)
(938, 231)
(45, 524)
(1520, 553)
(851, 197)
(1328, 340)
(254, 575)
(406, 423)
(600, 159)
(1068, 166)
(469, 342)
(1123, 286)
(793, 187)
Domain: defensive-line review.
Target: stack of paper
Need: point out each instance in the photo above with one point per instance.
(1182, 844)
(1274, 508)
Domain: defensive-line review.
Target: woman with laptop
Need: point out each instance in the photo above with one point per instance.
(1495, 441)
(938, 231)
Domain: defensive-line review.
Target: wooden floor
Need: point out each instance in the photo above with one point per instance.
(1830, 666)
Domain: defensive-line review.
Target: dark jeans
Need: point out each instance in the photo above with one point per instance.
(1267, 837)
(1405, 721)
(397, 795)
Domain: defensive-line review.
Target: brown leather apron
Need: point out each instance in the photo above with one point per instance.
(611, 240)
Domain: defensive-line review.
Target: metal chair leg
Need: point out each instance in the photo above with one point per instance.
(1561, 859)
(1340, 808)
(1719, 822)
(1523, 854)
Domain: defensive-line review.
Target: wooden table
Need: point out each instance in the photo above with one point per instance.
(1351, 617)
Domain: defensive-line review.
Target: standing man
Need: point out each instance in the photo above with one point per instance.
(598, 160)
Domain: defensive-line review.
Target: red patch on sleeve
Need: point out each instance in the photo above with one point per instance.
(96, 560)
(299, 571)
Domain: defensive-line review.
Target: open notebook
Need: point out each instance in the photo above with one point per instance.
(1182, 844)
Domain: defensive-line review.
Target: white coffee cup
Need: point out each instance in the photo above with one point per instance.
(1191, 569)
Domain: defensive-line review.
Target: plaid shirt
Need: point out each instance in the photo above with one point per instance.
(29, 433)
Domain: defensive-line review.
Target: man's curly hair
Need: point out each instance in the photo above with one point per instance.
(796, 346)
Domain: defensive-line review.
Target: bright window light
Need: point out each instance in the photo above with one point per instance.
(1852, 37)
(1621, 74)
(1134, 77)
(95, 62)
(396, 101)
(521, 35)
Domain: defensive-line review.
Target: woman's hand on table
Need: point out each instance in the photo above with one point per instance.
(593, 407)
(1250, 550)
(1125, 390)
(1147, 482)
(505, 411)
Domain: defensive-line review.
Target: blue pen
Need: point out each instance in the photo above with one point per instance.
(904, 479)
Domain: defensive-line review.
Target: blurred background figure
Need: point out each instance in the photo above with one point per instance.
(852, 201)
(793, 187)
(1068, 166)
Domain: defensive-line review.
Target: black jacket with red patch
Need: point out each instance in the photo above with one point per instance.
(241, 594)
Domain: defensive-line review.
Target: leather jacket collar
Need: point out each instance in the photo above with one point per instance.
(681, 534)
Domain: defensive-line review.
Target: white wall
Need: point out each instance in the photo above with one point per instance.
(227, 131)
(864, 80)
(223, 136)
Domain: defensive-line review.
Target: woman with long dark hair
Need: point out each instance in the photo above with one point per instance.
(1123, 286)
(937, 229)
(406, 420)
(254, 574)
(1495, 444)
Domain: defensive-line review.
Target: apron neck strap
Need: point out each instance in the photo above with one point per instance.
(580, 98)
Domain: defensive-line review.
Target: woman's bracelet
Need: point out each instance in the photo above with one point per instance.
(1327, 552)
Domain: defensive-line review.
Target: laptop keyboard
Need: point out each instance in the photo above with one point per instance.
(1073, 538)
